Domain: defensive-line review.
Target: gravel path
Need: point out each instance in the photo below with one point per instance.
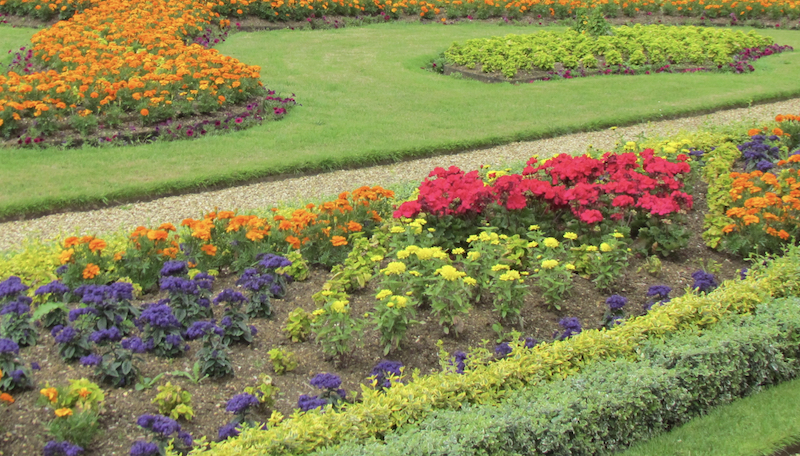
(267, 194)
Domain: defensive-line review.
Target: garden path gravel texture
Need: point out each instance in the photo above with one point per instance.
(272, 193)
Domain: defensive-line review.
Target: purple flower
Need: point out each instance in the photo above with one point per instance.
(240, 403)
(186, 438)
(160, 424)
(159, 316)
(63, 448)
(11, 287)
(326, 381)
(174, 268)
(74, 314)
(91, 360)
(111, 334)
(571, 327)
(503, 350)
(764, 165)
(743, 273)
(180, 285)
(253, 330)
(17, 375)
(35, 366)
(385, 369)
(306, 403)
(271, 261)
(66, 335)
(616, 302)
(228, 431)
(459, 360)
(230, 296)
(142, 448)
(135, 345)
(120, 291)
(55, 287)
(204, 281)
(201, 328)
(15, 307)
(659, 292)
(173, 340)
(226, 322)
(61, 269)
(704, 281)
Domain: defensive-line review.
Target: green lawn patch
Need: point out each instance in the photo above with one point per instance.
(365, 99)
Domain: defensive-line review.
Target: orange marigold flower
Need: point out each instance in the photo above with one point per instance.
(293, 241)
(167, 227)
(225, 215)
(783, 235)
(171, 252)
(66, 256)
(779, 118)
(144, 112)
(729, 228)
(118, 256)
(86, 239)
(5, 397)
(256, 235)
(753, 132)
(91, 271)
(157, 235)
(97, 245)
(353, 226)
(777, 132)
(70, 241)
(750, 219)
(50, 393)
(63, 412)
(209, 249)
(338, 241)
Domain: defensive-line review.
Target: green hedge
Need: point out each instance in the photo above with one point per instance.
(615, 403)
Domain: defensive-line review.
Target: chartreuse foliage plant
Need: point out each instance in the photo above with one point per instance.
(415, 399)
(639, 46)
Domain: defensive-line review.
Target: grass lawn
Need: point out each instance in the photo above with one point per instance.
(364, 98)
(753, 426)
(11, 39)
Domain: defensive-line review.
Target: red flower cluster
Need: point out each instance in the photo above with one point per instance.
(593, 189)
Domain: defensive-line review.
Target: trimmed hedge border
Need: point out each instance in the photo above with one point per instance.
(615, 403)
(380, 412)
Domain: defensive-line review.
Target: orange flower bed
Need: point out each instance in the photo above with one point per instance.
(129, 55)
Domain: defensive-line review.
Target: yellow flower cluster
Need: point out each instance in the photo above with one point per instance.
(450, 273)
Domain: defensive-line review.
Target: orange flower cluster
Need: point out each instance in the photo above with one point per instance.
(766, 200)
(126, 54)
(5, 397)
(153, 242)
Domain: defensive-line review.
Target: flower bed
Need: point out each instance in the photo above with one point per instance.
(627, 50)
(560, 224)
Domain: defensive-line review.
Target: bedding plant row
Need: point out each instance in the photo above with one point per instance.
(626, 50)
(561, 252)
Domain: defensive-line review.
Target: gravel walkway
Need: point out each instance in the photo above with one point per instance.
(267, 194)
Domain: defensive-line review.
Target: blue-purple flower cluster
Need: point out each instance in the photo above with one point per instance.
(704, 281)
(162, 427)
(11, 288)
(239, 404)
(385, 369)
(332, 394)
(62, 448)
(571, 327)
(760, 152)
(658, 294)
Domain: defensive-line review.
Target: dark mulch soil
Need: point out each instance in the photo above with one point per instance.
(22, 430)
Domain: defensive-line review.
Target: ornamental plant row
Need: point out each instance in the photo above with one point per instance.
(654, 46)
(413, 400)
(615, 403)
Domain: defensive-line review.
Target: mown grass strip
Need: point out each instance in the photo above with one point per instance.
(364, 100)
(753, 426)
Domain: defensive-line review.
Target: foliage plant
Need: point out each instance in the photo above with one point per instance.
(282, 360)
(265, 390)
(336, 330)
(16, 375)
(213, 358)
(297, 325)
(174, 401)
(77, 409)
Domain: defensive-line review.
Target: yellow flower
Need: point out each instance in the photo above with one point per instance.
(533, 227)
(409, 293)
(472, 238)
(533, 245)
(510, 276)
(398, 229)
(318, 312)
(485, 237)
(618, 235)
(570, 267)
(551, 242)
(473, 256)
(420, 221)
(376, 258)
(469, 281)
(50, 393)
(570, 235)
(390, 304)
(499, 267)
(432, 230)
(458, 251)
(340, 306)
(591, 248)
(395, 267)
(549, 264)
(415, 273)
(417, 227)
(605, 247)
(503, 237)
(63, 412)
(400, 301)
(449, 273)
(383, 294)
